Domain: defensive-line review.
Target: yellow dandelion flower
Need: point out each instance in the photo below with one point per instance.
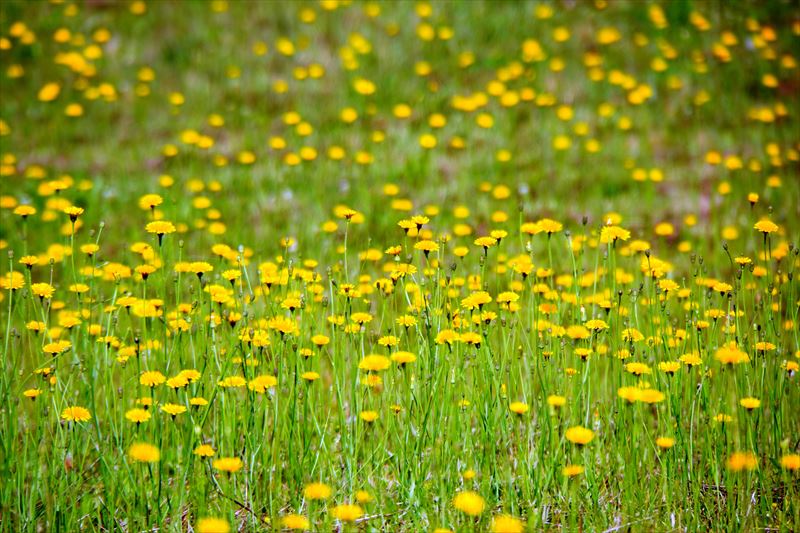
(76, 414)
(141, 452)
(469, 502)
(579, 435)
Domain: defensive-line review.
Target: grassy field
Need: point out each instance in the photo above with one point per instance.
(399, 266)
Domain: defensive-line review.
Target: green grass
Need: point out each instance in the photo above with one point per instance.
(666, 132)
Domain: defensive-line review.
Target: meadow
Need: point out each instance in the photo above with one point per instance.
(445, 266)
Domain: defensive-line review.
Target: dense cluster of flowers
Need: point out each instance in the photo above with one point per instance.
(225, 346)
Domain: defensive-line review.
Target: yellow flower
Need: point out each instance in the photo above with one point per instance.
(138, 415)
(364, 86)
(317, 491)
(554, 400)
(177, 382)
(403, 358)
(204, 450)
(73, 212)
(260, 384)
(579, 435)
(49, 92)
(173, 409)
(228, 464)
(485, 242)
(426, 246)
(29, 260)
(476, 300)
(739, 461)
(750, 403)
(199, 268)
(43, 290)
(361, 318)
(24, 211)
(610, 234)
(145, 401)
(667, 285)
(790, 462)
(519, 408)
(651, 396)
(420, 220)
(160, 228)
(374, 363)
(296, 521)
(572, 470)
(212, 525)
(89, 249)
(152, 378)
(348, 512)
(150, 201)
(368, 416)
(190, 374)
(637, 369)
(141, 452)
(549, 226)
(764, 346)
(664, 229)
(669, 367)
(427, 141)
(76, 414)
(13, 281)
(507, 524)
(731, 355)
(576, 331)
(32, 393)
(58, 347)
(665, 442)
(320, 340)
(766, 226)
(469, 502)
(596, 324)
